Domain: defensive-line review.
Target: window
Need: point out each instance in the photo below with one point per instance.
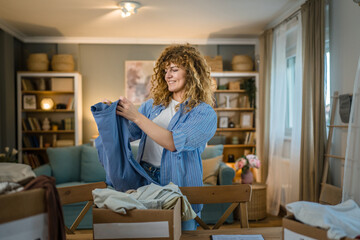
(327, 92)
(290, 79)
(291, 41)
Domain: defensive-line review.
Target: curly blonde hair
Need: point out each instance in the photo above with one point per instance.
(198, 86)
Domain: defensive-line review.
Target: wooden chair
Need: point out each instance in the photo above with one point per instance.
(79, 193)
(238, 195)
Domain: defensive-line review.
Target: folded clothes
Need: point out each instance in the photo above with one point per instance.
(341, 220)
(150, 196)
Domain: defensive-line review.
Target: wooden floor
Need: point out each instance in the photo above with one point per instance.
(269, 221)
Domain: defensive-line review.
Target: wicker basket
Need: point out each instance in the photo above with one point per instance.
(257, 205)
(63, 63)
(242, 63)
(38, 62)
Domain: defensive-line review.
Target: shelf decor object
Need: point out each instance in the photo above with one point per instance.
(63, 63)
(38, 62)
(47, 104)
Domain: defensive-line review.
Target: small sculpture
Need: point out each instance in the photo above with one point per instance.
(227, 101)
(46, 124)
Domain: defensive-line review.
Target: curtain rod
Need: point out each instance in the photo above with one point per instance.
(294, 14)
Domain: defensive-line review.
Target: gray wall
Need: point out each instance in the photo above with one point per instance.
(7, 92)
(344, 55)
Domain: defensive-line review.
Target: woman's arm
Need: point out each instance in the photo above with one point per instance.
(160, 135)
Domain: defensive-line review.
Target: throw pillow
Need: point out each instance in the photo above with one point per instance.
(91, 168)
(65, 163)
(211, 170)
(212, 151)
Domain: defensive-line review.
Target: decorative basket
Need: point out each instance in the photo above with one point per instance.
(216, 63)
(63, 63)
(242, 63)
(38, 62)
(257, 205)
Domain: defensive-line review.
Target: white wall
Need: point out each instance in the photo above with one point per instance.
(344, 55)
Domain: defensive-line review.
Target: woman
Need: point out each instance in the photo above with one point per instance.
(177, 122)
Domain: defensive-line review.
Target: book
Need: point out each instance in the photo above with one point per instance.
(65, 143)
(41, 141)
(25, 128)
(70, 104)
(31, 123)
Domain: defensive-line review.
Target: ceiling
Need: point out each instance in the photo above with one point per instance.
(98, 20)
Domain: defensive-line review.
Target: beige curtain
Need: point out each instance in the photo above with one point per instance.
(313, 116)
(266, 42)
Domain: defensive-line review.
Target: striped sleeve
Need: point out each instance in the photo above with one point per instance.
(198, 128)
(135, 131)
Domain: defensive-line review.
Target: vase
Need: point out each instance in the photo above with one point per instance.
(247, 177)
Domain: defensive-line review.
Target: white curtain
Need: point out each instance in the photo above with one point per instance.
(284, 156)
(351, 189)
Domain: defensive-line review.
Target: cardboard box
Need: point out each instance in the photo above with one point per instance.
(137, 224)
(20, 212)
(295, 230)
(62, 84)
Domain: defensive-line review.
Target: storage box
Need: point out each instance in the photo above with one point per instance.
(62, 84)
(137, 224)
(215, 63)
(295, 230)
(20, 212)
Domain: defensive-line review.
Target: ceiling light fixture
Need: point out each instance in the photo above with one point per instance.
(128, 8)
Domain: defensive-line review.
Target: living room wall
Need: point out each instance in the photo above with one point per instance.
(344, 55)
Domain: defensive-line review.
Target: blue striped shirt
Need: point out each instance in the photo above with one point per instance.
(191, 131)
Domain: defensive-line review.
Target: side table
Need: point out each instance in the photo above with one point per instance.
(257, 206)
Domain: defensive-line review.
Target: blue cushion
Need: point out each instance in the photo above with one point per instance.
(65, 163)
(91, 168)
(43, 170)
(212, 151)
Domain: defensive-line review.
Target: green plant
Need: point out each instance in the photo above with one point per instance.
(250, 88)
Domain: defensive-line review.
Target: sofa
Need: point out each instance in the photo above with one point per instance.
(77, 165)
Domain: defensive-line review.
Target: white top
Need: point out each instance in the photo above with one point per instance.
(153, 151)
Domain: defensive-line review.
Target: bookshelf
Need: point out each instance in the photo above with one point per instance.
(49, 108)
(232, 104)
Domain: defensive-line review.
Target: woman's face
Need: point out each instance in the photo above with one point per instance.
(175, 78)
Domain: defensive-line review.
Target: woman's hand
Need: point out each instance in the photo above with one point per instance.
(126, 109)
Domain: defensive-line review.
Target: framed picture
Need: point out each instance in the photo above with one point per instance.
(29, 102)
(246, 119)
(138, 80)
(223, 122)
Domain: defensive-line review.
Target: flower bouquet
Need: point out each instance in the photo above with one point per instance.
(8, 156)
(245, 163)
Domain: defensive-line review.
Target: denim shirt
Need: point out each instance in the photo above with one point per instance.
(191, 131)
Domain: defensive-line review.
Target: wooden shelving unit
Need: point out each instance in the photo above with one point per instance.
(63, 88)
(245, 143)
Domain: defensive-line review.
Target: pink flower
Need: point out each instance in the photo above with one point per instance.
(246, 162)
(240, 163)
